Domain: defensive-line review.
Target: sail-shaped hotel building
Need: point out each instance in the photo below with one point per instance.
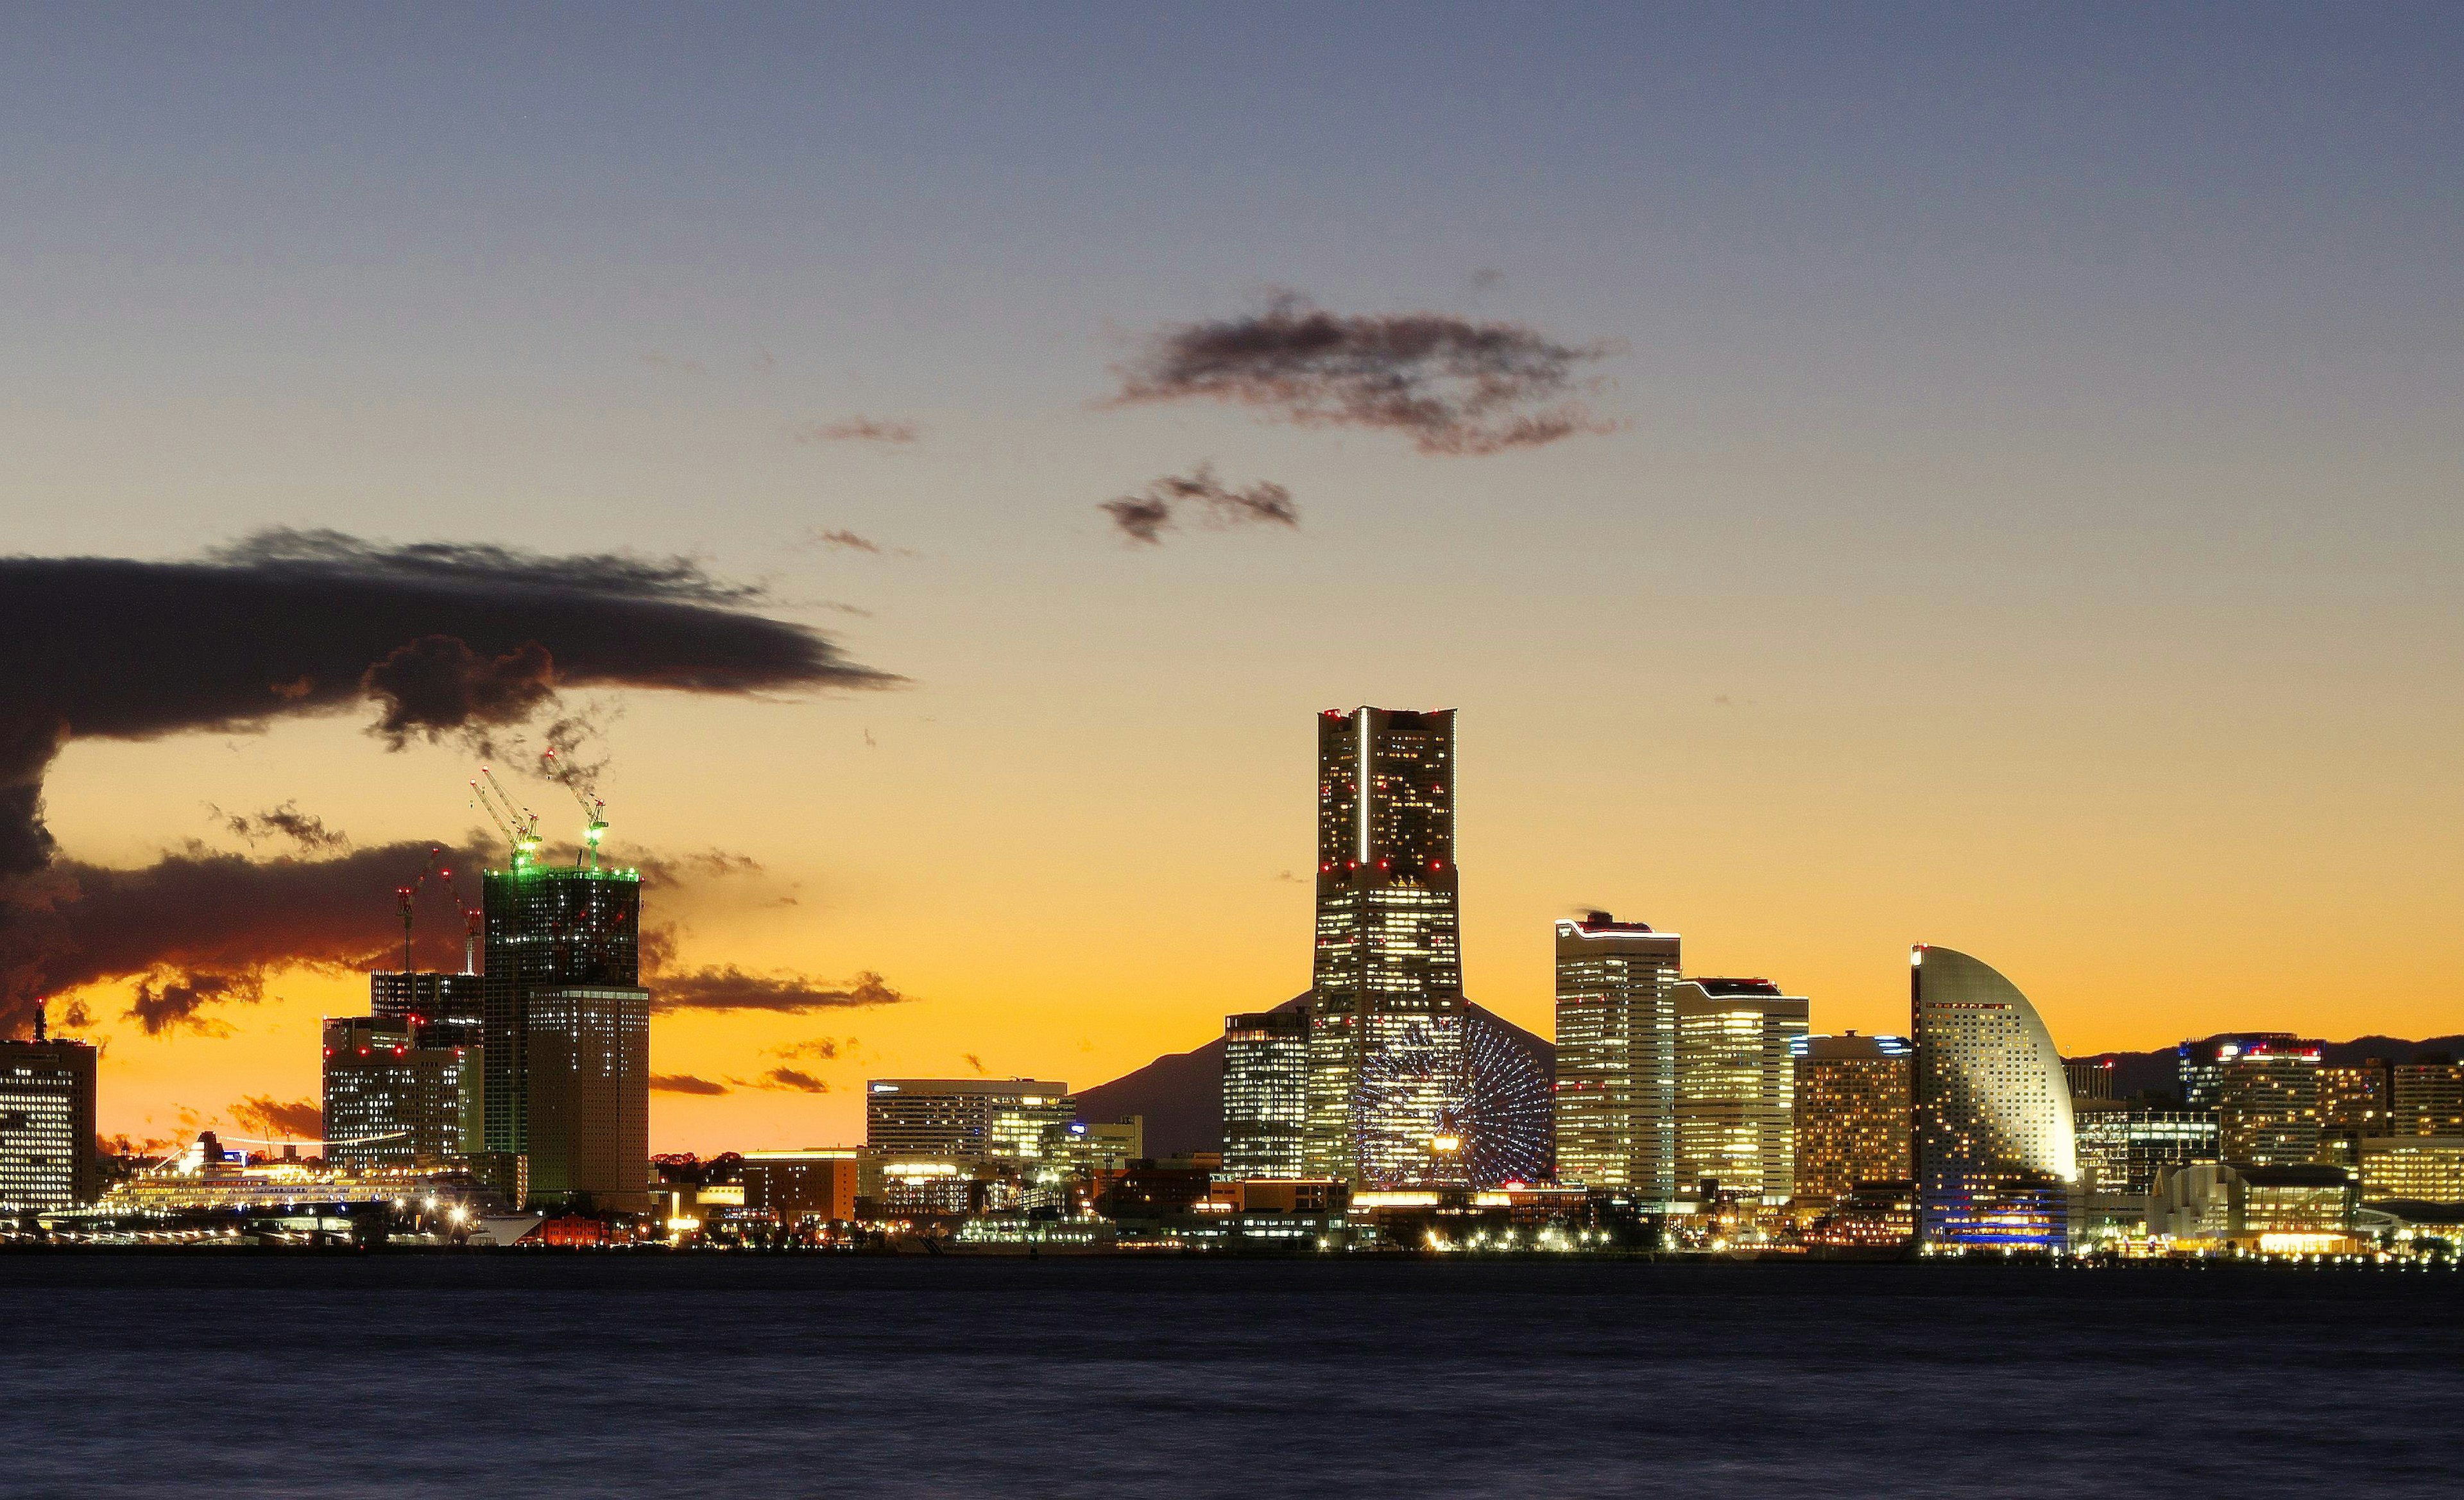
(1995, 1155)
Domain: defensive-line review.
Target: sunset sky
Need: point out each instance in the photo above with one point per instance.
(2017, 508)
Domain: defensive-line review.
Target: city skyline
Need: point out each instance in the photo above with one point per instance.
(1972, 479)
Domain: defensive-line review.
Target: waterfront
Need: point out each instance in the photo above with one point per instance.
(183, 1374)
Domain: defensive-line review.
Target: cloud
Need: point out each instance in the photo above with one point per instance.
(1453, 386)
(825, 1048)
(271, 1117)
(445, 638)
(684, 1082)
(859, 430)
(727, 987)
(847, 541)
(791, 1080)
(1143, 518)
(304, 828)
(972, 1061)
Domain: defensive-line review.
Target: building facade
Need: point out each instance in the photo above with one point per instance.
(2426, 1097)
(1736, 1071)
(792, 1187)
(390, 1101)
(1994, 1152)
(1011, 1120)
(1265, 1091)
(2122, 1146)
(1616, 1057)
(1387, 1083)
(46, 1155)
(443, 1009)
(2422, 1169)
(1852, 1114)
(2267, 1102)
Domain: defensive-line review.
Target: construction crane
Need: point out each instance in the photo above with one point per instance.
(593, 811)
(407, 896)
(518, 825)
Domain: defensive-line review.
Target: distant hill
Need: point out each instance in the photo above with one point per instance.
(1181, 1093)
(2135, 1072)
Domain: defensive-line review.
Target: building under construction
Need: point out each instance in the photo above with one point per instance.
(567, 1025)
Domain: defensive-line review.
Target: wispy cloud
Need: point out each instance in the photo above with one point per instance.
(298, 1119)
(727, 987)
(1145, 517)
(684, 1082)
(859, 430)
(1453, 386)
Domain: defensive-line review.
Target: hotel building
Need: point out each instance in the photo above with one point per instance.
(1994, 1152)
(1851, 1114)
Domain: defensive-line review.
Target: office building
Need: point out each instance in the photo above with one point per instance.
(567, 1032)
(2266, 1101)
(389, 1101)
(2426, 1097)
(2427, 1169)
(965, 1120)
(443, 1009)
(1091, 1147)
(2356, 1099)
(1994, 1153)
(2200, 1064)
(2091, 1078)
(1387, 1082)
(1265, 1091)
(587, 1099)
(791, 1187)
(47, 1159)
(1616, 1057)
(2122, 1146)
(1736, 1042)
(1851, 1115)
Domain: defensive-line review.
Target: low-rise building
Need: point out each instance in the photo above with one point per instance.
(2416, 1168)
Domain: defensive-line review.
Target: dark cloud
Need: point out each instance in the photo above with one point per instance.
(1145, 517)
(825, 1048)
(202, 928)
(727, 987)
(1453, 386)
(446, 639)
(274, 1120)
(972, 1061)
(684, 1082)
(842, 540)
(792, 1080)
(859, 430)
(305, 830)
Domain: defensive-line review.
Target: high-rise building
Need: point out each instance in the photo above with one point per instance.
(1616, 1057)
(390, 1101)
(2200, 1064)
(1994, 1153)
(443, 1009)
(1386, 1024)
(1008, 1121)
(1265, 1091)
(2091, 1078)
(567, 1032)
(2356, 1099)
(2426, 1097)
(46, 1155)
(1736, 1042)
(1852, 1114)
(2122, 1146)
(2267, 1102)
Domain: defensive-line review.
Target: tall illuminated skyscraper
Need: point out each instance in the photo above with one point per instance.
(1852, 1114)
(46, 1155)
(1386, 1088)
(1736, 1072)
(1995, 1153)
(1265, 1091)
(1616, 1057)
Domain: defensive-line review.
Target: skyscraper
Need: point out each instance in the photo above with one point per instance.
(1735, 1086)
(46, 1157)
(1265, 1091)
(1852, 1114)
(1012, 1121)
(567, 1026)
(1994, 1153)
(2267, 1102)
(1386, 1087)
(443, 1009)
(1616, 1057)
(2200, 1064)
(390, 1099)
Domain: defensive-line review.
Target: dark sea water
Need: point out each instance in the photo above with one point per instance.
(600, 1375)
